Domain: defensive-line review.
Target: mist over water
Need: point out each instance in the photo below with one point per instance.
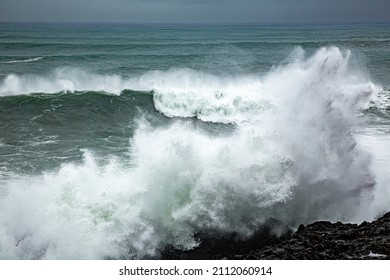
(180, 151)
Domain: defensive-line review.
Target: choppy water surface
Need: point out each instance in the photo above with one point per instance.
(116, 140)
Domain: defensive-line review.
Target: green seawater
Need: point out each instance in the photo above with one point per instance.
(139, 136)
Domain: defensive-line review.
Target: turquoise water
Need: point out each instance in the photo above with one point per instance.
(134, 49)
(138, 136)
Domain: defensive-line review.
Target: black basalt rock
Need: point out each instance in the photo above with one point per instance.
(326, 240)
(218, 245)
(320, 240)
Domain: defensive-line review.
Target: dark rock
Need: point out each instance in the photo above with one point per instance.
(326, 240)
(320, 240)
(217, 245)
(300, 230)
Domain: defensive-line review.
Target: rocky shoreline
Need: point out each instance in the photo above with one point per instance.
(317, 241)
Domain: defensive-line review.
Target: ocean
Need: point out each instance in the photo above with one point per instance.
(117, 140)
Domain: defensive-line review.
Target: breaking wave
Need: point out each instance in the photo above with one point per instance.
(190, 93)
(294, 155)
(23, 60)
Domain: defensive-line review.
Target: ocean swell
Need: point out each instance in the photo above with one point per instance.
(22, 60)
(294, 155)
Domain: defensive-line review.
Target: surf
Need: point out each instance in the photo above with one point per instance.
(22, 60)
(294, 155)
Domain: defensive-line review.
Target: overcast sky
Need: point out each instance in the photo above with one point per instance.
(196, 11)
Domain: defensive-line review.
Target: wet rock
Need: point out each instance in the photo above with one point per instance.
(320, 240)
(326, 240)
(217, 245)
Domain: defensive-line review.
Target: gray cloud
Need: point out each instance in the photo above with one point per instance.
(194, 10)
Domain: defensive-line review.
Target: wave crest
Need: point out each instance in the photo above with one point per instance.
(229, 99)
(23, 60)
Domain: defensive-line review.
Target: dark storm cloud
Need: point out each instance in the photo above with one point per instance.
(195, 10)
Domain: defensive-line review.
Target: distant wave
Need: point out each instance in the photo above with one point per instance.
(23, 60)
(184, 92)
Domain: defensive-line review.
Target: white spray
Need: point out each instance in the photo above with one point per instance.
(294, 155)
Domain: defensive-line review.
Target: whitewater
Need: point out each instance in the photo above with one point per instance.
(305, 140)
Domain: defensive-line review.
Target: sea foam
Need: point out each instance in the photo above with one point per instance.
(294, 155)
(22, 60)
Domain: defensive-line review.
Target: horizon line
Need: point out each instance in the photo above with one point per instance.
(351, 22)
